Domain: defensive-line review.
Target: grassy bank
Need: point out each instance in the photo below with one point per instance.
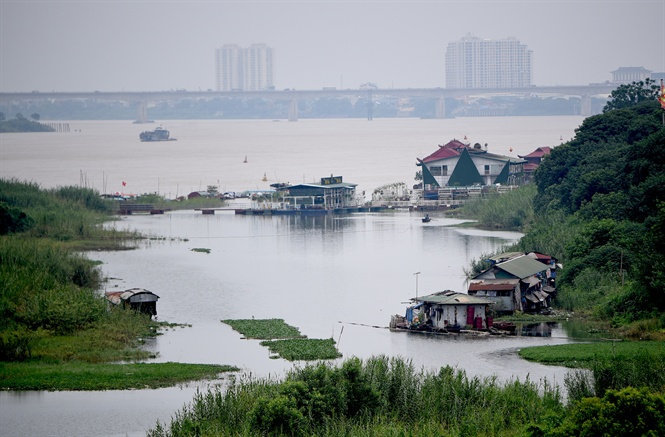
(76, 375)
(583, 354)
(55, 326)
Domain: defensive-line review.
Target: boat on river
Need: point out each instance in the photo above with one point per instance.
(159, 134)
(426, 219)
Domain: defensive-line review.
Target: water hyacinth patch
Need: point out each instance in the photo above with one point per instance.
(264, 329)
(304, 348)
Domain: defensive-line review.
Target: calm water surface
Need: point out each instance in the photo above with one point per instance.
(340, 276)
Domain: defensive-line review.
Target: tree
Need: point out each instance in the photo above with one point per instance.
(2, 116)
(35, 116)
(630, 94)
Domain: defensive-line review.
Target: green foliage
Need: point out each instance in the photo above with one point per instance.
(85, 376)
(627, 412)
(380, 396)
(303, 348)
(631, 94)
(264, 329)
(13, 220)
(600, 212)
(512, 210)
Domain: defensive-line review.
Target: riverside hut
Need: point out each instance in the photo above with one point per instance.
(138, 299)
(446, 311)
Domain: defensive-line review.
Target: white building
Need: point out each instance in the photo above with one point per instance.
(626, 75)
(482, 63)
(244, 69)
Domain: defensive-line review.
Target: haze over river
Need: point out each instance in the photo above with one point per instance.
(340, 276)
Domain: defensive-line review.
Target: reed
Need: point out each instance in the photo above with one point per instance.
(379, 396)
(510, 211)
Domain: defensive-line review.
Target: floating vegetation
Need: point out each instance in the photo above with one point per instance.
(264, 329)
(304, 348)
(287, 341)
(201, 249)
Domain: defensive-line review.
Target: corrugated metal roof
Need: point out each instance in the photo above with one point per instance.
(522, 267)
(508, 284)
(116, 297)
(453, 298)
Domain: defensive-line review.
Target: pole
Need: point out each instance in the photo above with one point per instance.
(416, 275)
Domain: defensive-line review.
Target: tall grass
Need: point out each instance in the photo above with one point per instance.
(47, 290)
(380, 396)
(510, 211)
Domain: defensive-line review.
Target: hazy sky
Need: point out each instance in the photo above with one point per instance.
(115, 45)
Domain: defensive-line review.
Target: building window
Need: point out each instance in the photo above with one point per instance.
(444, 170)
(436, 171)
(487, 169)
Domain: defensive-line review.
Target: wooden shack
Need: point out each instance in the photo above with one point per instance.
(138, 299)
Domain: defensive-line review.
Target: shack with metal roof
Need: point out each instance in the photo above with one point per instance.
(447, 311)
(516, 281)
(138, 299)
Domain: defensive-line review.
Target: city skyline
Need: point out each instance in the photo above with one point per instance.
(164, 45)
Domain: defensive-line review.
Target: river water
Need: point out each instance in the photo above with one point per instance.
(339, 276)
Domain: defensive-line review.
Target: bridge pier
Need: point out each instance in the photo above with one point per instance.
(585, 105)
(293, 110)
(142, 112)
(440, 108)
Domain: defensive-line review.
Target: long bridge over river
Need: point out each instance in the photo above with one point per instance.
(144, 98)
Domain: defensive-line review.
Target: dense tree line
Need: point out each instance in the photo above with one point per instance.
(606, 188)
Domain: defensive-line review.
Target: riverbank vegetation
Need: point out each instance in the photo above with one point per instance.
(79, 375)
(379, 396)
(51, 314)
(389, 396)
(598, 206)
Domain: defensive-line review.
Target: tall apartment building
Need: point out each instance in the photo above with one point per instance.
(244, 69)
(482, 63)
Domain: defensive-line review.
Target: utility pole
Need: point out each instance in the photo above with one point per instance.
(416, 275)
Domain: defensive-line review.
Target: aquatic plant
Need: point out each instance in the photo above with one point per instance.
(264, 329)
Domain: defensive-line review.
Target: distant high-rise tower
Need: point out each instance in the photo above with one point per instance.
(482, 63)
(244, 69)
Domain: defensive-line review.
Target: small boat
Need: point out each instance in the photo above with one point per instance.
(426, 219)
(159, 134)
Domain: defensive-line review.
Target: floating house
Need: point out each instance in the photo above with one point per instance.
(445, 311)
(517, 282)
(331, 193)
(458, 164)
(138, 299)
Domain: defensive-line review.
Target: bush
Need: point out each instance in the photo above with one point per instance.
(628, 412)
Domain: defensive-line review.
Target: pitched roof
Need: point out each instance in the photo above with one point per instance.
(448, 150)
(522, 267)
(538, 153)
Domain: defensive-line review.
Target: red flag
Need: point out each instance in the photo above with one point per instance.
(661, 95)
(124, 184)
